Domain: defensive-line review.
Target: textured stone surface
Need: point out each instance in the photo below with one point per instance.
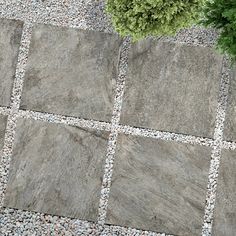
(225, 209)
(71, 72)
(3, 122)
(10, 36)
(230, 119)
(159, 186)
(172, 87)
(56, 169)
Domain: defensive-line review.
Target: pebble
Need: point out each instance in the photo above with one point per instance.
(85, 14)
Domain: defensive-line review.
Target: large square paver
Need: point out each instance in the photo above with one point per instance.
(10, 37)
(71, 72)
(230, 118)
(159, 186)
(172, 87)
(56, 169)
(3, 123)
(225, 208)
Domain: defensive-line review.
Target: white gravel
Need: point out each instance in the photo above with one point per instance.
(89, 14)
(217, 147)
(120, 84)
(17, 222)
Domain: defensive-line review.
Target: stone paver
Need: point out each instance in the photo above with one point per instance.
(10, 37)
(225, 209)
(159, 186)
(71, 72)
(172, 87)
(230, 119)
(3, 122)
(56, 169)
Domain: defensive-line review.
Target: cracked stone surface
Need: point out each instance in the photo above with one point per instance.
(10, 37)
(71, 72)
(3, 122)
(230, 119)
(225, 209)
(159, 186)
(172, 87)
(56, 169)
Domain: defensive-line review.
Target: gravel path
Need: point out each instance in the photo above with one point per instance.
(85, 14)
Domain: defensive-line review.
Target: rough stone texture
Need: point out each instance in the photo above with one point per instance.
(88, 14)
(3, 122)
(225, 209)
(172, 87)
(56, 169)
(71, 72)
(10, 37)
(159, 186)
(230, 119)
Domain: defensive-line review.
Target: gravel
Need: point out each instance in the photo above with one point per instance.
(89, 14)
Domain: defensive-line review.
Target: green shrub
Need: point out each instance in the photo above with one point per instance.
(141, 18)
(221, 14)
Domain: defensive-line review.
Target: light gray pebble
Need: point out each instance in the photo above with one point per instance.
(90, 15)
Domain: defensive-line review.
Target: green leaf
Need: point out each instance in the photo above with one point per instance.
(142, 18)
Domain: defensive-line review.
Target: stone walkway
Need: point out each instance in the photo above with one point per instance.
(101, 136)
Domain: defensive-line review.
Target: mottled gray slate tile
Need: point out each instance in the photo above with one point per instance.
(71, 72)
(56, 169)
(172, 87)
(10, 36)
(3, 122)
(230, 118)
(225, 209)
(159, 186)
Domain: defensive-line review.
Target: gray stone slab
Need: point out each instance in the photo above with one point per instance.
(159, 186)
(3, 122)
(56, 169)
(172, 87)
(10, 37)
(71, 72)
(225, 209)
(230, 118)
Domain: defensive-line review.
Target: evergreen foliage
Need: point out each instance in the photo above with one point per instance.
(142, 18)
